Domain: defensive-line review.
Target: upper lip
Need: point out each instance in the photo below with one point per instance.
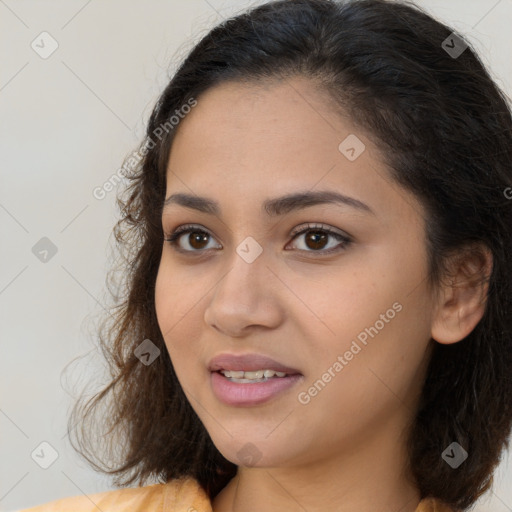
(248, 362)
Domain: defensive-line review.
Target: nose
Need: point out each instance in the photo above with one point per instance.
(247, 295)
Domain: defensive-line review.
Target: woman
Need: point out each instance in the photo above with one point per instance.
(318, 301)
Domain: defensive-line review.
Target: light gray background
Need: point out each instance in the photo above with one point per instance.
(67, 122)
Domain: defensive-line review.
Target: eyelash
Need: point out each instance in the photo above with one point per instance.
(191, 228)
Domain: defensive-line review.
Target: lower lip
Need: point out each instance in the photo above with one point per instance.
(251, 393)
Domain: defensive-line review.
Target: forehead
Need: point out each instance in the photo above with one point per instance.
(292, 117)
(266, 131)
(267, 139)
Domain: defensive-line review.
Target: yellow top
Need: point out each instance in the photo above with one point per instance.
(180, 495)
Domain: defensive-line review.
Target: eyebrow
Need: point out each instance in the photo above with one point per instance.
(273, 207)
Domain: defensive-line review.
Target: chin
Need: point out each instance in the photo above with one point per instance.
(251, 451)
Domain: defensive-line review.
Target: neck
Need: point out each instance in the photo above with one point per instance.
(366, 475)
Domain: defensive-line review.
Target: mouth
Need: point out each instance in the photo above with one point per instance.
(250, 379)
(251, 392)
(249, 363)
(244, 377)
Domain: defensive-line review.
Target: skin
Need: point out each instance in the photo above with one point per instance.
(344, 450)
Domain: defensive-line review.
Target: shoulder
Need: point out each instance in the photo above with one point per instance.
(433, 505)
(174, 496)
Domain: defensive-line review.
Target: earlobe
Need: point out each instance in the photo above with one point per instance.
(463, 297)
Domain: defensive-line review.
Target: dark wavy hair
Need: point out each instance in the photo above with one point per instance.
(444, 128)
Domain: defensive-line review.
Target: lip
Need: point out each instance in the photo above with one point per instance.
(249, 363)
(250, 394)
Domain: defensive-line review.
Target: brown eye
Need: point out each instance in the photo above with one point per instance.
(316, 239)
(196, 241)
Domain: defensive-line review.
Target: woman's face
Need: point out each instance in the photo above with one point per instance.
(351, 319)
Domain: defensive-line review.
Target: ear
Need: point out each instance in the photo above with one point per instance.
(462, 297)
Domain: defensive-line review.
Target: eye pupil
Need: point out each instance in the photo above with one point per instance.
(314, 237)
(198, 237)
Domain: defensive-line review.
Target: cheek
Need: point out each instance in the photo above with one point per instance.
(335, 304)
(375, 313)
(178, 310)
(165, 299)
(170, 306)
(175, 295)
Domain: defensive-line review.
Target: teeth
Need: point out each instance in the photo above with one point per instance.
(253, 375)
(259, 374)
